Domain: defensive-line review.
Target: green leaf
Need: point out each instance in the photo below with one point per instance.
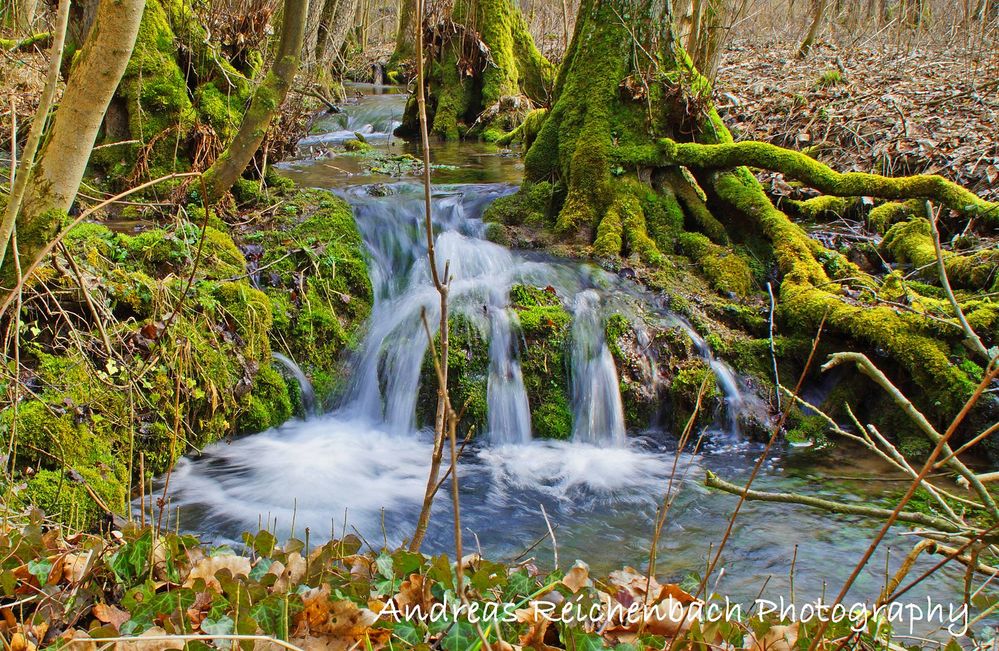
(260, 569)
(583, 641)
(221, 626)
(40, 569)
(384, 565)
(130, 562)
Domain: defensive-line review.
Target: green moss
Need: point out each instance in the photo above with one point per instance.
(530, 205)
(269, 403)
(317, 279)
(174, 249)
(544, 323)
(822, 208)
(812, 429)
(881, 217)
(912, 242)
(726, 270)
(468, 376)
(527, 131)
(686, 385)
(798, 166)
(355, 145)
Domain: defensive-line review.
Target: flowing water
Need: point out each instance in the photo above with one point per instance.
(362, 467)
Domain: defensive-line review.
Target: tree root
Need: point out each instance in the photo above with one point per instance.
(912, 242)
(798, 166)
(695, 206)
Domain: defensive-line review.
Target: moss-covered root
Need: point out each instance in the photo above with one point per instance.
(726, 271)
(623, 229)
(912, 242)
(884, 216)
(693, 201)
(800, 167)
(808, 297)
(821, 208)
(527, 131)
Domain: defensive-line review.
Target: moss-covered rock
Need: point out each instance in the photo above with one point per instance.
(313, 268)
(183, 371)
(545, 324)
(468, 376)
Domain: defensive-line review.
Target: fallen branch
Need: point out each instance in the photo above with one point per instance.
(713, 481)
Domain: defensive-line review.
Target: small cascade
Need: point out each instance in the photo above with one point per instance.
(304, 386)
(385, 384)
(596, 394)
(734, 400)
(509, 414)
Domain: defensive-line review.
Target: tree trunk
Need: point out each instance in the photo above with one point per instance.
(337, 30)
(465, 82)
(24, 15)
(266, 103)
(626, 93)
(712, 21)
(310, 47)
(819, 10)
(405, 36)
(56, 176)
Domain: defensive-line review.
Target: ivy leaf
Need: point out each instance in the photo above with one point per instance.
(221, 626)
(40, 570)
(384, 565)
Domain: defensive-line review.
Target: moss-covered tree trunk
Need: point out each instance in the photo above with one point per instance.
(266, 102)
(56, 176)
(485, 65)
(405, 37)
(626, 95)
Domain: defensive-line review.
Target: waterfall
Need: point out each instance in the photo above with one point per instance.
(304, 386)
(724, 376)
(506, 398)
(596, 394)
(386, 380)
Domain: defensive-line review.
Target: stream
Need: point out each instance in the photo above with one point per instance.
(362, 467)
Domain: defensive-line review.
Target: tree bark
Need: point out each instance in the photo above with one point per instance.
(266, 103)
(819, 10)
(405, 35)
(313, 24)
(466, 82)
(56, 177)
(24, 15)
(337, 30)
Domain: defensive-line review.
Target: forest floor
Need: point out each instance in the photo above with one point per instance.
(876, 109)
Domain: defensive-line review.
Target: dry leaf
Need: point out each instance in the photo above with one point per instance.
(414, 593)
(161, 642)
(578, 577)
(778, 638)
(111, 615)
(208, 567)
(74, 566)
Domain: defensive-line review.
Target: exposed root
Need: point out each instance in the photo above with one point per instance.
(798, 166)
(912, 242)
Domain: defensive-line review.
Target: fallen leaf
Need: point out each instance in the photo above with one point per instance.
(160, 642)
(112, 615)
(777, 638)
(578, 577)
(208, 567)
